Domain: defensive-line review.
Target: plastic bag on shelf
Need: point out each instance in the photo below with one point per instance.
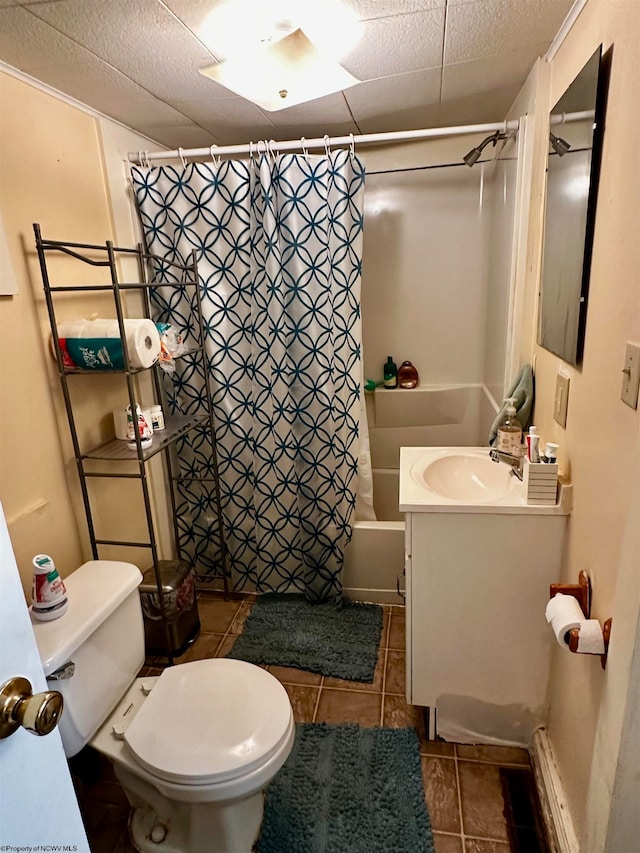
(171, 346)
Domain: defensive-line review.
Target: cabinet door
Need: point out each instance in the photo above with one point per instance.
(479, 587)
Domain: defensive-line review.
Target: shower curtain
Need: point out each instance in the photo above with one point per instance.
(279, 243)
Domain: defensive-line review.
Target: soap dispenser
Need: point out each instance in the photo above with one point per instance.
(510, 431)
(390, 374)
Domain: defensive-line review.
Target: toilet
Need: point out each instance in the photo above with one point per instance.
(194, 748)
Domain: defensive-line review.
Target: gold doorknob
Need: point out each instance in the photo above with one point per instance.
(37, 713)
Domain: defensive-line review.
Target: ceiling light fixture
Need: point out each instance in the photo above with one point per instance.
(235, 26)
(282, 73)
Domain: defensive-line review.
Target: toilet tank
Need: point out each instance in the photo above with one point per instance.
(102, 634)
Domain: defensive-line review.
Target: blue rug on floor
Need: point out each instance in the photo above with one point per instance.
(347, 789)
(337, 640)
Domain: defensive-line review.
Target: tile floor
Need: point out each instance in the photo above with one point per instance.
(462, 783)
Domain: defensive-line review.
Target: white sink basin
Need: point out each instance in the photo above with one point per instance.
(464, 476)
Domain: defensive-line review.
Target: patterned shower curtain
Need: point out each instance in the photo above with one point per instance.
(279, 246)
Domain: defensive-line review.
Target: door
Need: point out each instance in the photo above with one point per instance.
(38, 806)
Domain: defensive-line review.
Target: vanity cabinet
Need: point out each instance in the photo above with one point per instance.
(477, 579)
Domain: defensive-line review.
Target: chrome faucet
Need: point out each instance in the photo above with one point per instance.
(515, 461)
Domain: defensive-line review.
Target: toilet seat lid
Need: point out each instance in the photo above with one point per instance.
(210, 721)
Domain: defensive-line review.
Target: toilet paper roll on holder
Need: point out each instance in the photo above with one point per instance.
(582, 593)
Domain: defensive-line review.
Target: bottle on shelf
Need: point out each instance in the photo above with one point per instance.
(144, 429)
(390, 374)
(407, 375)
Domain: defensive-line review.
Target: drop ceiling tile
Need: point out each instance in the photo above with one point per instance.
(396, 45)
(25, 41)
(414, 118)
(489, 74)
(478, 109)
(332, 109)
(415, 90)
(229, 120)
(368, 9)
(194, 12)
(487, 27)
(190, 136)
(311, 131)
(32, 46)
(142, 40)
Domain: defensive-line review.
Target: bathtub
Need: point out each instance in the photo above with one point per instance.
(427, 416)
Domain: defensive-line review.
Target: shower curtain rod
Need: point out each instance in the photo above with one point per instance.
(322, 142)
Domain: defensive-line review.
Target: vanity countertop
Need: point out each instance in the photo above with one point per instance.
(466, 480)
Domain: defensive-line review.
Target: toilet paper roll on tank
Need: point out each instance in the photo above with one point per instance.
(564, 613)
(96, 344)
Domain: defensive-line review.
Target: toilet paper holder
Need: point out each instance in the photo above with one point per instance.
(582, 593)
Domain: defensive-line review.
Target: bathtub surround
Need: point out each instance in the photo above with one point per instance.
(456, 415)
(335, 640)
(348, 788)
(279, 243)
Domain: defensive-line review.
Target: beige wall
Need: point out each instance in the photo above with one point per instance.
(50, 172)
(600, 441)
(53, 170)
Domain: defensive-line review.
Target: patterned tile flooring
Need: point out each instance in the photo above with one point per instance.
(462, 783)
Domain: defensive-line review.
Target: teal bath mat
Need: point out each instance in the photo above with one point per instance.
(337, 640)
(346, 789)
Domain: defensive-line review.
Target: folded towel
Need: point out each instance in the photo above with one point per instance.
(522, 393)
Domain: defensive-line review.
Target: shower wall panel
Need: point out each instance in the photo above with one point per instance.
(425, 272)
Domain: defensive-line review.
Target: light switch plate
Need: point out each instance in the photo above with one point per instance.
(631, 376)
(561, 399)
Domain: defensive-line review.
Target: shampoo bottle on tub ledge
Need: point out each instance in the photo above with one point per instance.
(390, 374)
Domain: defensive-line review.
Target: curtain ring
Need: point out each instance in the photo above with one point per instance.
(181, 155)
(271, 149)
(303, 146)
(352, 146)
(216, 160)
(146, 159)
(326, 144)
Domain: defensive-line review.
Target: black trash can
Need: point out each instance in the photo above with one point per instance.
(181, 608)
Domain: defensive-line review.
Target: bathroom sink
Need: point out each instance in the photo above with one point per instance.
(470, 477)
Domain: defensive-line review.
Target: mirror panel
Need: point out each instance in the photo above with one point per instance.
(576, 124)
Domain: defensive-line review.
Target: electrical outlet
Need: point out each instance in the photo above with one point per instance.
(561, 399)
(631, 376)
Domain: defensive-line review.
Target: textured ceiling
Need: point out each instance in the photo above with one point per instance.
(423, 63)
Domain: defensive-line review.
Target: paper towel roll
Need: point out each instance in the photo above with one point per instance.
(564, 613)
(96, 344)
(590, 638)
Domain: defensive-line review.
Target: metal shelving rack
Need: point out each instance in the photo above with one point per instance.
(176, 426)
